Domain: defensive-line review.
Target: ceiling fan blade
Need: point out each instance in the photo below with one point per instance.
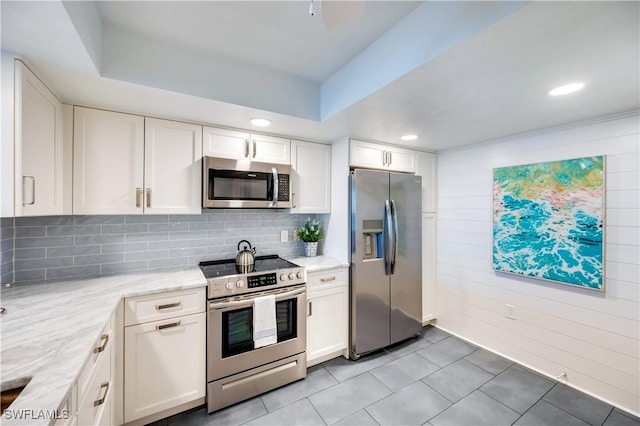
(336, 13)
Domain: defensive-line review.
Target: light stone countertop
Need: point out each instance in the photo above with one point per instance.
(48, 331)
(319, 263)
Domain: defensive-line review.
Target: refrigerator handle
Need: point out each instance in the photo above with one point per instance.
(394, 217)
(387, 237)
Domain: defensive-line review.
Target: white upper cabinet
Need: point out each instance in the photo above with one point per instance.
(39, 185)
(126, 164)
(311, 170)
(108, 162)
(376, 156)
(172, 167)
(238, 145)
(427, 169)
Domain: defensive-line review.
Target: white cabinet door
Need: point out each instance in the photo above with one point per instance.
(327, 315)
(427, 169)
(39, 186)
(164, 365)
(107, 162)
(225, 143)
(311, 170)
(270, 149)
(375, 156)
(401, 160)
(172, 167)
(429, 284)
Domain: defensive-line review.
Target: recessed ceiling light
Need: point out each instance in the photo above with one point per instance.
(260, 122)
(566, 89)
(409, 137)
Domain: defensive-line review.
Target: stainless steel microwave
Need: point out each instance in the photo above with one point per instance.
(245, 184)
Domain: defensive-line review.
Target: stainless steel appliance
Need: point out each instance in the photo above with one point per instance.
(235, 369)
(245, 184)
(386, 259)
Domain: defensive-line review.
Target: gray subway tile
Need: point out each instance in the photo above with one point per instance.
(90, 240)
(170, 227)
(98, 259)
(73, 230)
(146, 255)
(72, 251)
(125, 228)
(162, 245)
(30, 231)
(168, 263)
(30, 275)
(7, 233)
(184, 252)
(186, 235)
(187, 218)
(205, 226)
(146, 218)
(98, 219)
(6, 245)
(44, 242)
(44, 220)
(6, 277)
(73, 272)
(52, 262)
(29, 253)
(149, 236)
(6, 257)
(6, 222)
(116, 268)
(124, 247)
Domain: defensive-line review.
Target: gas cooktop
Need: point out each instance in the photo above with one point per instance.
(225, 279)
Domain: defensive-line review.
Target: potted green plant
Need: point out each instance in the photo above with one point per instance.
(310, 233)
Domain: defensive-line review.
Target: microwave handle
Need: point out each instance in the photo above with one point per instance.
(275, 183)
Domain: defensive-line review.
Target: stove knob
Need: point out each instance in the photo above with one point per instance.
(283, 277)
(291, 276)
(240, 283)
(299, 275)
(229, 285)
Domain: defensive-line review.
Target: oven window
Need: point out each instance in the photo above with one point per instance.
(237, 327)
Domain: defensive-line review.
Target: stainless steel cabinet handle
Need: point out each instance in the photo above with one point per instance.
(310, 310)
(33, 190)
(138, 196)
(165, 326)
(293, 200)
(326, 280)
(390, 158)
(101, 348)
(246, 147)
(255, 149)
(167, 306)
(100, 401)
(384, 158)
(148, 197)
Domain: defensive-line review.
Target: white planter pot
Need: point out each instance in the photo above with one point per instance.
(311, 249)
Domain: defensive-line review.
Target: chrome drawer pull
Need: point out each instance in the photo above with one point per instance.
(165, 326)
(167, 306)
(100, 401)
(101, 348)
(326, 280)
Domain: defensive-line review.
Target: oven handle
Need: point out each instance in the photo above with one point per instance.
(249, 300)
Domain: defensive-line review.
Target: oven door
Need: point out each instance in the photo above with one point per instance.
(230, 332)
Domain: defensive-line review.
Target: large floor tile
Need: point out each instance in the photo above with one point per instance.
(346, 398)
(581, 405)
(545, 414)
(404, 371)
(446, 351)
(298, 413)
(318, 378)
(408, 346)
(344, 369)
(457, 380)
(361, 418)
(618, 418)
(493, 363)
(477, 409)
(433, 334)
(517, 388)
(413, 405)
(234, 415)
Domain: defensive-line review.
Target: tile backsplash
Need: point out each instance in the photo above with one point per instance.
(56, 247)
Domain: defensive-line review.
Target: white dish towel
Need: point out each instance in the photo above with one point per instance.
(265, 330)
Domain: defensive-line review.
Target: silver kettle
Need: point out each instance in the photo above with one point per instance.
(245, 258)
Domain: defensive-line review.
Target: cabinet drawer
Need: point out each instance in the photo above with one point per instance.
(329, 278)
(99, 354)
(97, 396)
(155, 307)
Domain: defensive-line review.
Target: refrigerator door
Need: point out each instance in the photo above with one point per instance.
(406, 278)
(369, 281)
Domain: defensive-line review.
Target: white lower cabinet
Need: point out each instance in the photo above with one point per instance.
(165, 357)
(327, 315)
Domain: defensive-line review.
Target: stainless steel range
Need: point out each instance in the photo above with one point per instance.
(236, 369)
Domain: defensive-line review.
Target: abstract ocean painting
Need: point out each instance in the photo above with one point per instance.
(548, 221)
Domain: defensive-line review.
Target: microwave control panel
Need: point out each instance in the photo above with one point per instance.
(283, 187)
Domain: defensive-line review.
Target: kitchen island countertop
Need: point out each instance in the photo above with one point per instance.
(49, 328)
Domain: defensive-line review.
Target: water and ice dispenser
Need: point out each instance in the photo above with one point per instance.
(372, 241)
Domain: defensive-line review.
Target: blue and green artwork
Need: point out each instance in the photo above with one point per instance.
(548, 221)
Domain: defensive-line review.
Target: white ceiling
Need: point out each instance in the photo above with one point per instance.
(454, 73)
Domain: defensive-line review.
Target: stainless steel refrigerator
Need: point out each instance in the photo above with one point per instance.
(386, 259)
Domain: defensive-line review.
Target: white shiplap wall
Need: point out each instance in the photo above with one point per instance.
(594, 337)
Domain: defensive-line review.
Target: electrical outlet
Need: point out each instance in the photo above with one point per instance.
(284, 236)
(510, 311)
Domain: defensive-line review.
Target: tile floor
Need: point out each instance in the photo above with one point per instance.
(435, 379)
